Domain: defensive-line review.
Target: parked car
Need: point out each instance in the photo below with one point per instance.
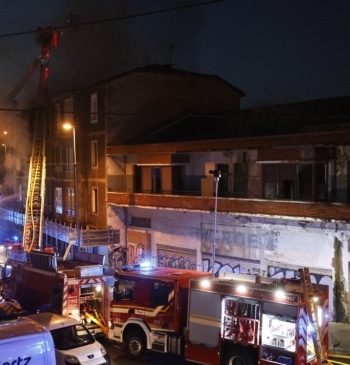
(74, 343)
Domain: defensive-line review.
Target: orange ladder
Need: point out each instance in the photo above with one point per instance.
(311, 310)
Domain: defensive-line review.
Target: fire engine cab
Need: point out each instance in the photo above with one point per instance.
(149, 309)
(230, 320)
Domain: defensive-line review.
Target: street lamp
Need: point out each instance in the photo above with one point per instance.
(4, 144)
(217, 175)
(68, 126)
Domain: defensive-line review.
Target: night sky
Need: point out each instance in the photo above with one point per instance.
(276, 51)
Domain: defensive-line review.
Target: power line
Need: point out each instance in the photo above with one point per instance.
(147, 13)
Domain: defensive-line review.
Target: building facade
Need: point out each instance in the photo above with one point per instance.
(281, 199)
(114, 111)
(170, 170)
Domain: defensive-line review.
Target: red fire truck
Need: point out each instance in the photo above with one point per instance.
(233, 319)
(79, 288)
(149, 309)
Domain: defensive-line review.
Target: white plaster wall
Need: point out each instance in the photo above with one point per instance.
(202, 162)
(116, 220)
(293, 245)
(304, 248)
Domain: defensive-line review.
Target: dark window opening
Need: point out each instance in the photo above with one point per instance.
(159, 294)
(306, 182)
(123, 290)
(240, 180)
(138, 179)
(156, 180)
(223, 186)
(177, 179)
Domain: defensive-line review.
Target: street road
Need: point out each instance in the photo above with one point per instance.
(119, 357)
(339, 345)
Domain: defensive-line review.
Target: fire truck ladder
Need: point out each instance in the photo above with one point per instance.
(311, 309)
(97, 318)
(32, 232)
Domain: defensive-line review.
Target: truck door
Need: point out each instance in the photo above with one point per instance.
(204, 318)
(160, 314)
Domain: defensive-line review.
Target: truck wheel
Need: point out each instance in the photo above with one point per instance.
(135, 344)
(237, 358)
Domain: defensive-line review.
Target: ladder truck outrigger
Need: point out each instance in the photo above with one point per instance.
(234, 319)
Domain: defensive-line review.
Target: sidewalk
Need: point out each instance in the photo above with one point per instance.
(339, 339)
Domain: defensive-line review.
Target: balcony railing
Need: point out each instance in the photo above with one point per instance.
(313, 210)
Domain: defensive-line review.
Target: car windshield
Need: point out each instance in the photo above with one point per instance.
(70, 337)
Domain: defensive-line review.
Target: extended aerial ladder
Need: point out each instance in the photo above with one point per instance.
(311, 308)
(32, 232)
(10, 100)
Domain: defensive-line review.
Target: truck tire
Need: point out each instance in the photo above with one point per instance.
(135, 344)
(237, 358)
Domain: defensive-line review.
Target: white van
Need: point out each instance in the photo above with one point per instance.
(74, 344)
(24, 342)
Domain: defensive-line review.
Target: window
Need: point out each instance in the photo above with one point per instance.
(93, 108)
(240, 180)
(94, 200)
(123, 290)
(177, 176)
(68, 110)
(159, 180)
(141, 222)
(70, 203)
(305, 182)
(58, 201)
(18, 165)
(159, 294)
(71, 337)
(58, 153)
(58, 115)
(94, 154)
(156, 180)
(69, 158)
(138, 179)
(223, 186)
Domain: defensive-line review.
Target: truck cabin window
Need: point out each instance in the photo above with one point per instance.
(123, 290)
(159, 294)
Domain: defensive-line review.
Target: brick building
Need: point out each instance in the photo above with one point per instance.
(146, 143)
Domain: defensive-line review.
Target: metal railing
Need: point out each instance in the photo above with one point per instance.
(66, 232)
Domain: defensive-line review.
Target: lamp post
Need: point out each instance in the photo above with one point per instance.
(5, 151)
(4, 144)
(217, 175)
(70, 126)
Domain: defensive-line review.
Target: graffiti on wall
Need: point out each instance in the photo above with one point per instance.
(238, 241)
(136, 253)
(232, 264)
(287, 273)
(117, 256)
(177, 257)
